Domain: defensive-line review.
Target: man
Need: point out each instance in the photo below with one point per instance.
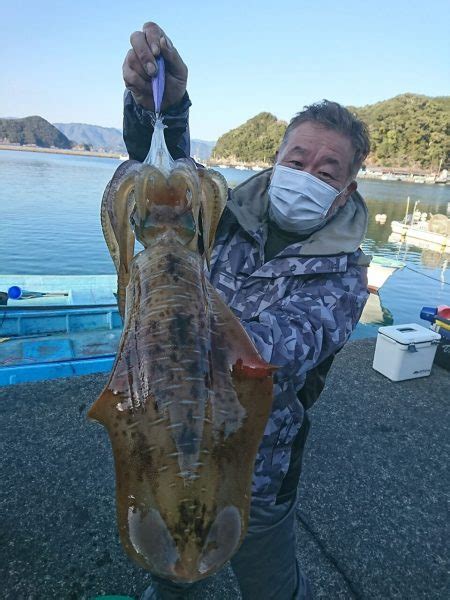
(287, 261)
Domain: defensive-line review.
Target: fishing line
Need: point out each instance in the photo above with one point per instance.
(158, 155)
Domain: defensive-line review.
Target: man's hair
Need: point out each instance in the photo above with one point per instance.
(334, 116)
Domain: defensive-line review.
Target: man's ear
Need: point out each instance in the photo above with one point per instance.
(352, 187)
(342, 198)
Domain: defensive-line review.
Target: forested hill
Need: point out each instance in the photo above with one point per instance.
(32, 130)
(406, 131)
(257, 140)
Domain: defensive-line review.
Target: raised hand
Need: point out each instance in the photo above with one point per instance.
(140, 66)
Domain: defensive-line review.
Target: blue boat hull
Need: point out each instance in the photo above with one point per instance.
(41, 343)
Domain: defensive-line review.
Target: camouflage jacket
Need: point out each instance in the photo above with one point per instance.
(299, 308)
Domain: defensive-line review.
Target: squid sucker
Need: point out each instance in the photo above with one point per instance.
(189, 396)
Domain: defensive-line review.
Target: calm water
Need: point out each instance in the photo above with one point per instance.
(49, 224)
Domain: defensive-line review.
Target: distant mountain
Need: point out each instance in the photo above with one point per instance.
(32, 130)
(201, 149)
(99, 138)
(110, 139)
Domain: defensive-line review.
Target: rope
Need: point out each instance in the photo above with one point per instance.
(428, 276)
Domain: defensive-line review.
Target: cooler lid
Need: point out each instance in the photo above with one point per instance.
(409, 333)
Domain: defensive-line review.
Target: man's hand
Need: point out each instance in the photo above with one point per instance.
(140, 66)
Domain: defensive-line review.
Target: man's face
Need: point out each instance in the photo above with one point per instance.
(324, 153)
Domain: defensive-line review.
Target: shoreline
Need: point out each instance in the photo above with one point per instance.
(61, 151)
(372, 173)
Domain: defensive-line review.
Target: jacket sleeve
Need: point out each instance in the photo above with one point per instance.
(303, 329)
(138, 128)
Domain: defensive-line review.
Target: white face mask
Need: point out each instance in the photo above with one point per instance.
(299, 202)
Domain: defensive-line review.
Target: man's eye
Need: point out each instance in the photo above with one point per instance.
(325, 174)
(296, 163)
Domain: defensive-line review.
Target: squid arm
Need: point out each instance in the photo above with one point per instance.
(117, 204)
(213, 200)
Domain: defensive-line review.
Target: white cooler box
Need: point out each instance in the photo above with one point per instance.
(405, 351)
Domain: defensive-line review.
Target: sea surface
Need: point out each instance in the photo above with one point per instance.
(49, 224)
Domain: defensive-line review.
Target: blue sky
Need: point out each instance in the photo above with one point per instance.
(63, 59)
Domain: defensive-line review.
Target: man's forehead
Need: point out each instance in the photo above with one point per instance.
(312, 137)
(305, 150)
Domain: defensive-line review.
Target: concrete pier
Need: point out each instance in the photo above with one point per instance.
(371, 510)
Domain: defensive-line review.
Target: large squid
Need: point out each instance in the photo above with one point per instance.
(189, 396)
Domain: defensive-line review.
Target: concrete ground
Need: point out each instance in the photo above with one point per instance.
(371, 512)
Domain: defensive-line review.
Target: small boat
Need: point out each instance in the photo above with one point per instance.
(57, 326)
(63, 326)
(420, 232)
(426, 231)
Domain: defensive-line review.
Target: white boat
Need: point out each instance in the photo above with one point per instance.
(419, 231)
(426, 231)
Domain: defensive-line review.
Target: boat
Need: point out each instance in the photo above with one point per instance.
(63, 326)
(426, 231)
(420, 232)
(57, 326)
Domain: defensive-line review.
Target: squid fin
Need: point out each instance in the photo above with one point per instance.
(240, 349)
